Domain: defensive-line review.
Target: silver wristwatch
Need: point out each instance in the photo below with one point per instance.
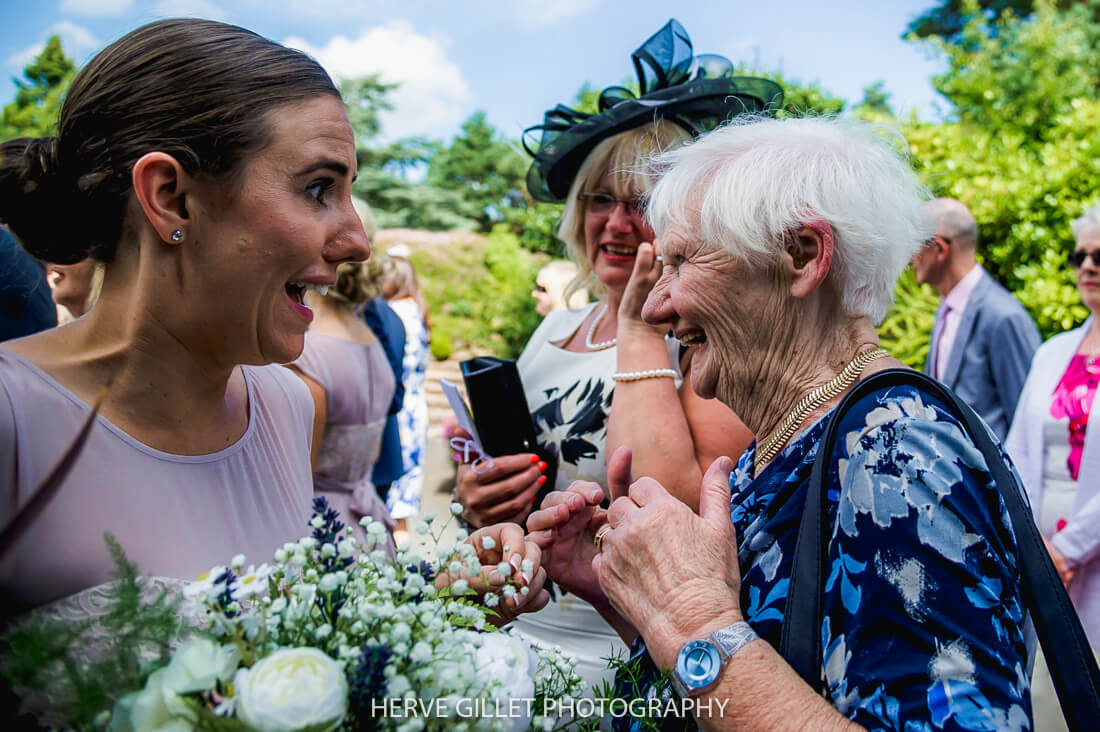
(701, 661)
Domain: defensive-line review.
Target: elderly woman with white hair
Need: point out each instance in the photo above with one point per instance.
(782, 241)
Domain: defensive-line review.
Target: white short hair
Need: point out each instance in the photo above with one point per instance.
(748, 185)
(1089, 223)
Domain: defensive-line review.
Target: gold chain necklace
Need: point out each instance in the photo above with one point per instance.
(810, 402)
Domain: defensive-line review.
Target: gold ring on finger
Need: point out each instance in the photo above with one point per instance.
(600, 534)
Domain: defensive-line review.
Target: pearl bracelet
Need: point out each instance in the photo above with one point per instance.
(648, 374)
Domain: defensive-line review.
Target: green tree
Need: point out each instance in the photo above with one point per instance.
(1022, 152)
(388, 171)
(483, 168)
(37, 104)
(948, 19)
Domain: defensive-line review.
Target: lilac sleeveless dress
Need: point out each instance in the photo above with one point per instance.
(359, 383)
(176, 516)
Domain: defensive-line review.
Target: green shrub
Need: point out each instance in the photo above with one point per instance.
(906, 332)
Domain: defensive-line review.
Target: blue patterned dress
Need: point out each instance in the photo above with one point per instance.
(924, 626)
(403, 499)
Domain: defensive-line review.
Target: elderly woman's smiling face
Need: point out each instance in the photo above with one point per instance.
(713, 302)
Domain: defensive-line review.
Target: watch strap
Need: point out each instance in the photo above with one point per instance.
(725, 642)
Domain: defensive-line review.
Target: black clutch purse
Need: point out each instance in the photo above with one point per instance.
(500, 412)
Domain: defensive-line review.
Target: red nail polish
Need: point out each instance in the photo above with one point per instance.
(542, 466)
(534, 459)
(541, 480)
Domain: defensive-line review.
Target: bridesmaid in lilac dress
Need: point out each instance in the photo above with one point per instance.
(346, 370)
(210, 170)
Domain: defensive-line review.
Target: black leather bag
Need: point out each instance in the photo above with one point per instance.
(500, 412)
(1072, 665)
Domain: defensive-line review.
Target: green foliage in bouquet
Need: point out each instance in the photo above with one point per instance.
(47, 655)
(327, 636)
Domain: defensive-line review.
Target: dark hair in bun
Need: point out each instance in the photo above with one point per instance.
(198, 90)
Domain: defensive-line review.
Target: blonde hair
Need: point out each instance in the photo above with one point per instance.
(556, 276)
(623, 156)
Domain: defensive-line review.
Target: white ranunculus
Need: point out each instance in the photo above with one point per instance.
(510, 661)
(291, 689)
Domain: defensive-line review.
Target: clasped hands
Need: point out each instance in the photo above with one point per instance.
(665, 572)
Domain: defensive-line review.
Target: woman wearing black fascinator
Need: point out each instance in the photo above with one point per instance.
(598, 377)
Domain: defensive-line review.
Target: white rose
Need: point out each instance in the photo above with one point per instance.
(197, 666)
(510, 661)
(291, 689)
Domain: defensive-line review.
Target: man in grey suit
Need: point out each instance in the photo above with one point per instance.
(983, 339)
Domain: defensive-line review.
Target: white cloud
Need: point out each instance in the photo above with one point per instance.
(189, 9)
(433, 97)
(540, 13)
(77, 41)
(95, 7)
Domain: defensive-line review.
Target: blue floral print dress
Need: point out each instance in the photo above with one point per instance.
(924, 621)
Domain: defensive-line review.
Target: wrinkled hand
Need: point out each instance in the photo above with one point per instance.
(507, 544)
(671, 573)
(1065, 572)
(503, 494)
(647, 270)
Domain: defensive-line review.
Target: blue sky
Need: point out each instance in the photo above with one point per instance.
(516, 58)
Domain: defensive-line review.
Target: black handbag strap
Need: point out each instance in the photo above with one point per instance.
(1072, 665)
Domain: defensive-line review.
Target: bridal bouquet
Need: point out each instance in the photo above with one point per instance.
(334, 635)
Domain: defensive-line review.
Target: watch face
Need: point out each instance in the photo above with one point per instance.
(698, 664)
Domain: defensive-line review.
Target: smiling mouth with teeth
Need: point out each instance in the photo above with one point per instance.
(297, 292)
(693, 339)
(619, 251)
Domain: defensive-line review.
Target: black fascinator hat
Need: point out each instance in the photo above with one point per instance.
(696, 92)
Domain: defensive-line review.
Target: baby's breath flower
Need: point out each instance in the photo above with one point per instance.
(455, 567)
(422, 528)
(460, 586)
(456, 508)
(328, 550)
(505, 569)
(462, 535)
(527, 566)
(429, 516)
(525, 590)
(491, 600)
(316, 522)
(509, 591)
(488, 542)
(238, 562)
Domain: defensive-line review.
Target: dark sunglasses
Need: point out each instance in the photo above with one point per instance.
(1078, 258)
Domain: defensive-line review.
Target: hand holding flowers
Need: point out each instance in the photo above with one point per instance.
(328, 635)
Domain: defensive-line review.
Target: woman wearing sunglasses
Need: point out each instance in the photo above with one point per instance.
(1057, 452)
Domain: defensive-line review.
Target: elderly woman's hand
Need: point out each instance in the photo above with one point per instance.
(505, 544)
(505, 493)
(647, 270)
(671, 573)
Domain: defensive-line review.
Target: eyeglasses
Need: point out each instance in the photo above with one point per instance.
(1079, 256)
(931, 241)
(601, 204)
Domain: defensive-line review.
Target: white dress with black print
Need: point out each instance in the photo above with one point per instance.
(569, 395)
